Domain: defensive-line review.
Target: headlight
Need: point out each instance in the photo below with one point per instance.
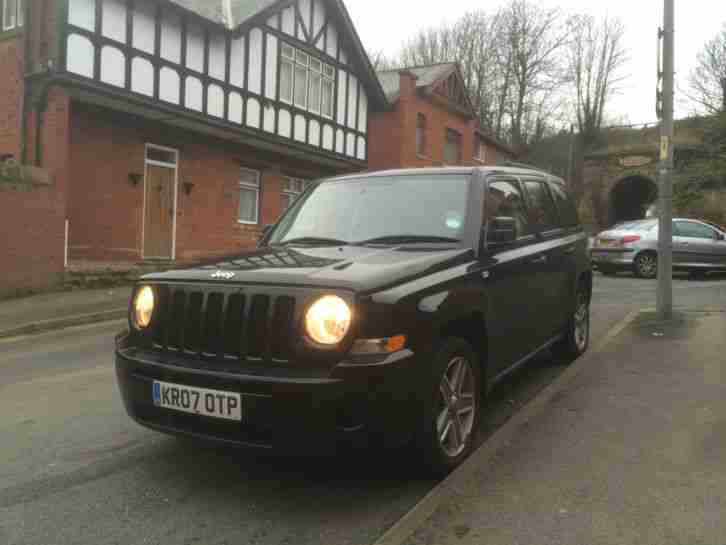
(143, 307)
(328, 320)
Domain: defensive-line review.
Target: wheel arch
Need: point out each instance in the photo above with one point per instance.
(472, 328)
(585, 280)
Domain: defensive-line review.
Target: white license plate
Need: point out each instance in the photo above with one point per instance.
(187, 399)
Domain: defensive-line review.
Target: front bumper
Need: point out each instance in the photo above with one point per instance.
(284, 412)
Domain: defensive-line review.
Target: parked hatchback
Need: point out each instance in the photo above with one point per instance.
(381, 308)
(698, 247)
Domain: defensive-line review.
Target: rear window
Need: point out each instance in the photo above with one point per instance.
(565, 206)
(636, 225)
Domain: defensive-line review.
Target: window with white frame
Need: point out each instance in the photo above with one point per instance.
(452, 147)
(12, 14)
(291, 189)
(306, 82)
(249, 196)
(480, 149)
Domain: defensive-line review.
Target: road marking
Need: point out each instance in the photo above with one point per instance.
(419, 514)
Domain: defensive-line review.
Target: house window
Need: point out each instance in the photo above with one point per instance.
(452, 147)
(291, 189)
(12, 14)
(421, 134)
(249, 196)
(306, 82)
(480, 149)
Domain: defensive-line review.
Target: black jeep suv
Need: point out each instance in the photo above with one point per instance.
(381, 307)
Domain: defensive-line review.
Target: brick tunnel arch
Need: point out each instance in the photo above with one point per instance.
(631, 197)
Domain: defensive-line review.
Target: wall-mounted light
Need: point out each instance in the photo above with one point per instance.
(188, 186)
(135, 178)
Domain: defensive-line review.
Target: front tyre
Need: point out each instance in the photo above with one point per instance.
(451, 419)
(576, 337)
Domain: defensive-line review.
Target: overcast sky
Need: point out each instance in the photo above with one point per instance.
(385, 24)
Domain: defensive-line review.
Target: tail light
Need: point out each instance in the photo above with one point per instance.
(629, 239)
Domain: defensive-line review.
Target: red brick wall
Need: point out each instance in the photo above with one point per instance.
(32, 218)
(106, 211)
(11, 95)
(393, 133)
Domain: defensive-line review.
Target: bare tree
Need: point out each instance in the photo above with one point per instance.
(510, 62)
(708, 80)
(534, 38)
(381, 62)
(596, 55)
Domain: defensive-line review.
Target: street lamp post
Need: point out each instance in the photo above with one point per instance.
(665, 171)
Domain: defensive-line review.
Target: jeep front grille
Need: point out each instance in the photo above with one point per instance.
(220, 322)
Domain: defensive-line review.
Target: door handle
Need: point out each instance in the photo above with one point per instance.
(539, 260)
(570, 250)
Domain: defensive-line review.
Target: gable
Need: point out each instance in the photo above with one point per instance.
(325, 26)
(308, 21)
(442, 82)
(452, 90)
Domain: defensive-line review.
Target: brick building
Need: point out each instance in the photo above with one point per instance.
(175, 129)
(430, 121)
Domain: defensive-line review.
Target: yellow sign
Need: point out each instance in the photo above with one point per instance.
(665, 148)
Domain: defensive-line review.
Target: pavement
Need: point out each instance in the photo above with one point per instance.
(62, 309)
(629, 450)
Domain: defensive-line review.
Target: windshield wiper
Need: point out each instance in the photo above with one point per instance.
(407, 239)
(318, 241)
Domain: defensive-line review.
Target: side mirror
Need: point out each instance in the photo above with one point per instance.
(263, 236)
(502, 230)
(720, 236)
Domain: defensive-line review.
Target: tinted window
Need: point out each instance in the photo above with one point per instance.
(542, 212)
(565, 205)
(693, 230)
(358, 209)
(505, 199)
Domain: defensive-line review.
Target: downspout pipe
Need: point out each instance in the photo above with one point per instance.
(27, 69)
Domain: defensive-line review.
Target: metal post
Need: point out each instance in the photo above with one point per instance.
(665, 171)
(571, 156)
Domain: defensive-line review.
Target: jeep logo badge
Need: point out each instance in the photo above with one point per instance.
(222, 275)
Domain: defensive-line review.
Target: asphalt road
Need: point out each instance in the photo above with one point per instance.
(75, 469)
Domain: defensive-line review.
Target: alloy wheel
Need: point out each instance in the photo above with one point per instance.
(647, 265)
(457, 407)
(582, 323)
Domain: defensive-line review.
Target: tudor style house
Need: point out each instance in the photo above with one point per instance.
(430, 121)
(176, 129)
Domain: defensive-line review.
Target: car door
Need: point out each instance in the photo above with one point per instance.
(552, 270)
(696, 244)
(510, 272)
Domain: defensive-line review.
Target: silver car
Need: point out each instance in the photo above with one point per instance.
(698, 247)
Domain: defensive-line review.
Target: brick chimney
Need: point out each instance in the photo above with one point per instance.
(407, 83)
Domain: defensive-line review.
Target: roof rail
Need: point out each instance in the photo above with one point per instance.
(524, 165)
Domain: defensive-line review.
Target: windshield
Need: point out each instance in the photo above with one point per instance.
(395, 209)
